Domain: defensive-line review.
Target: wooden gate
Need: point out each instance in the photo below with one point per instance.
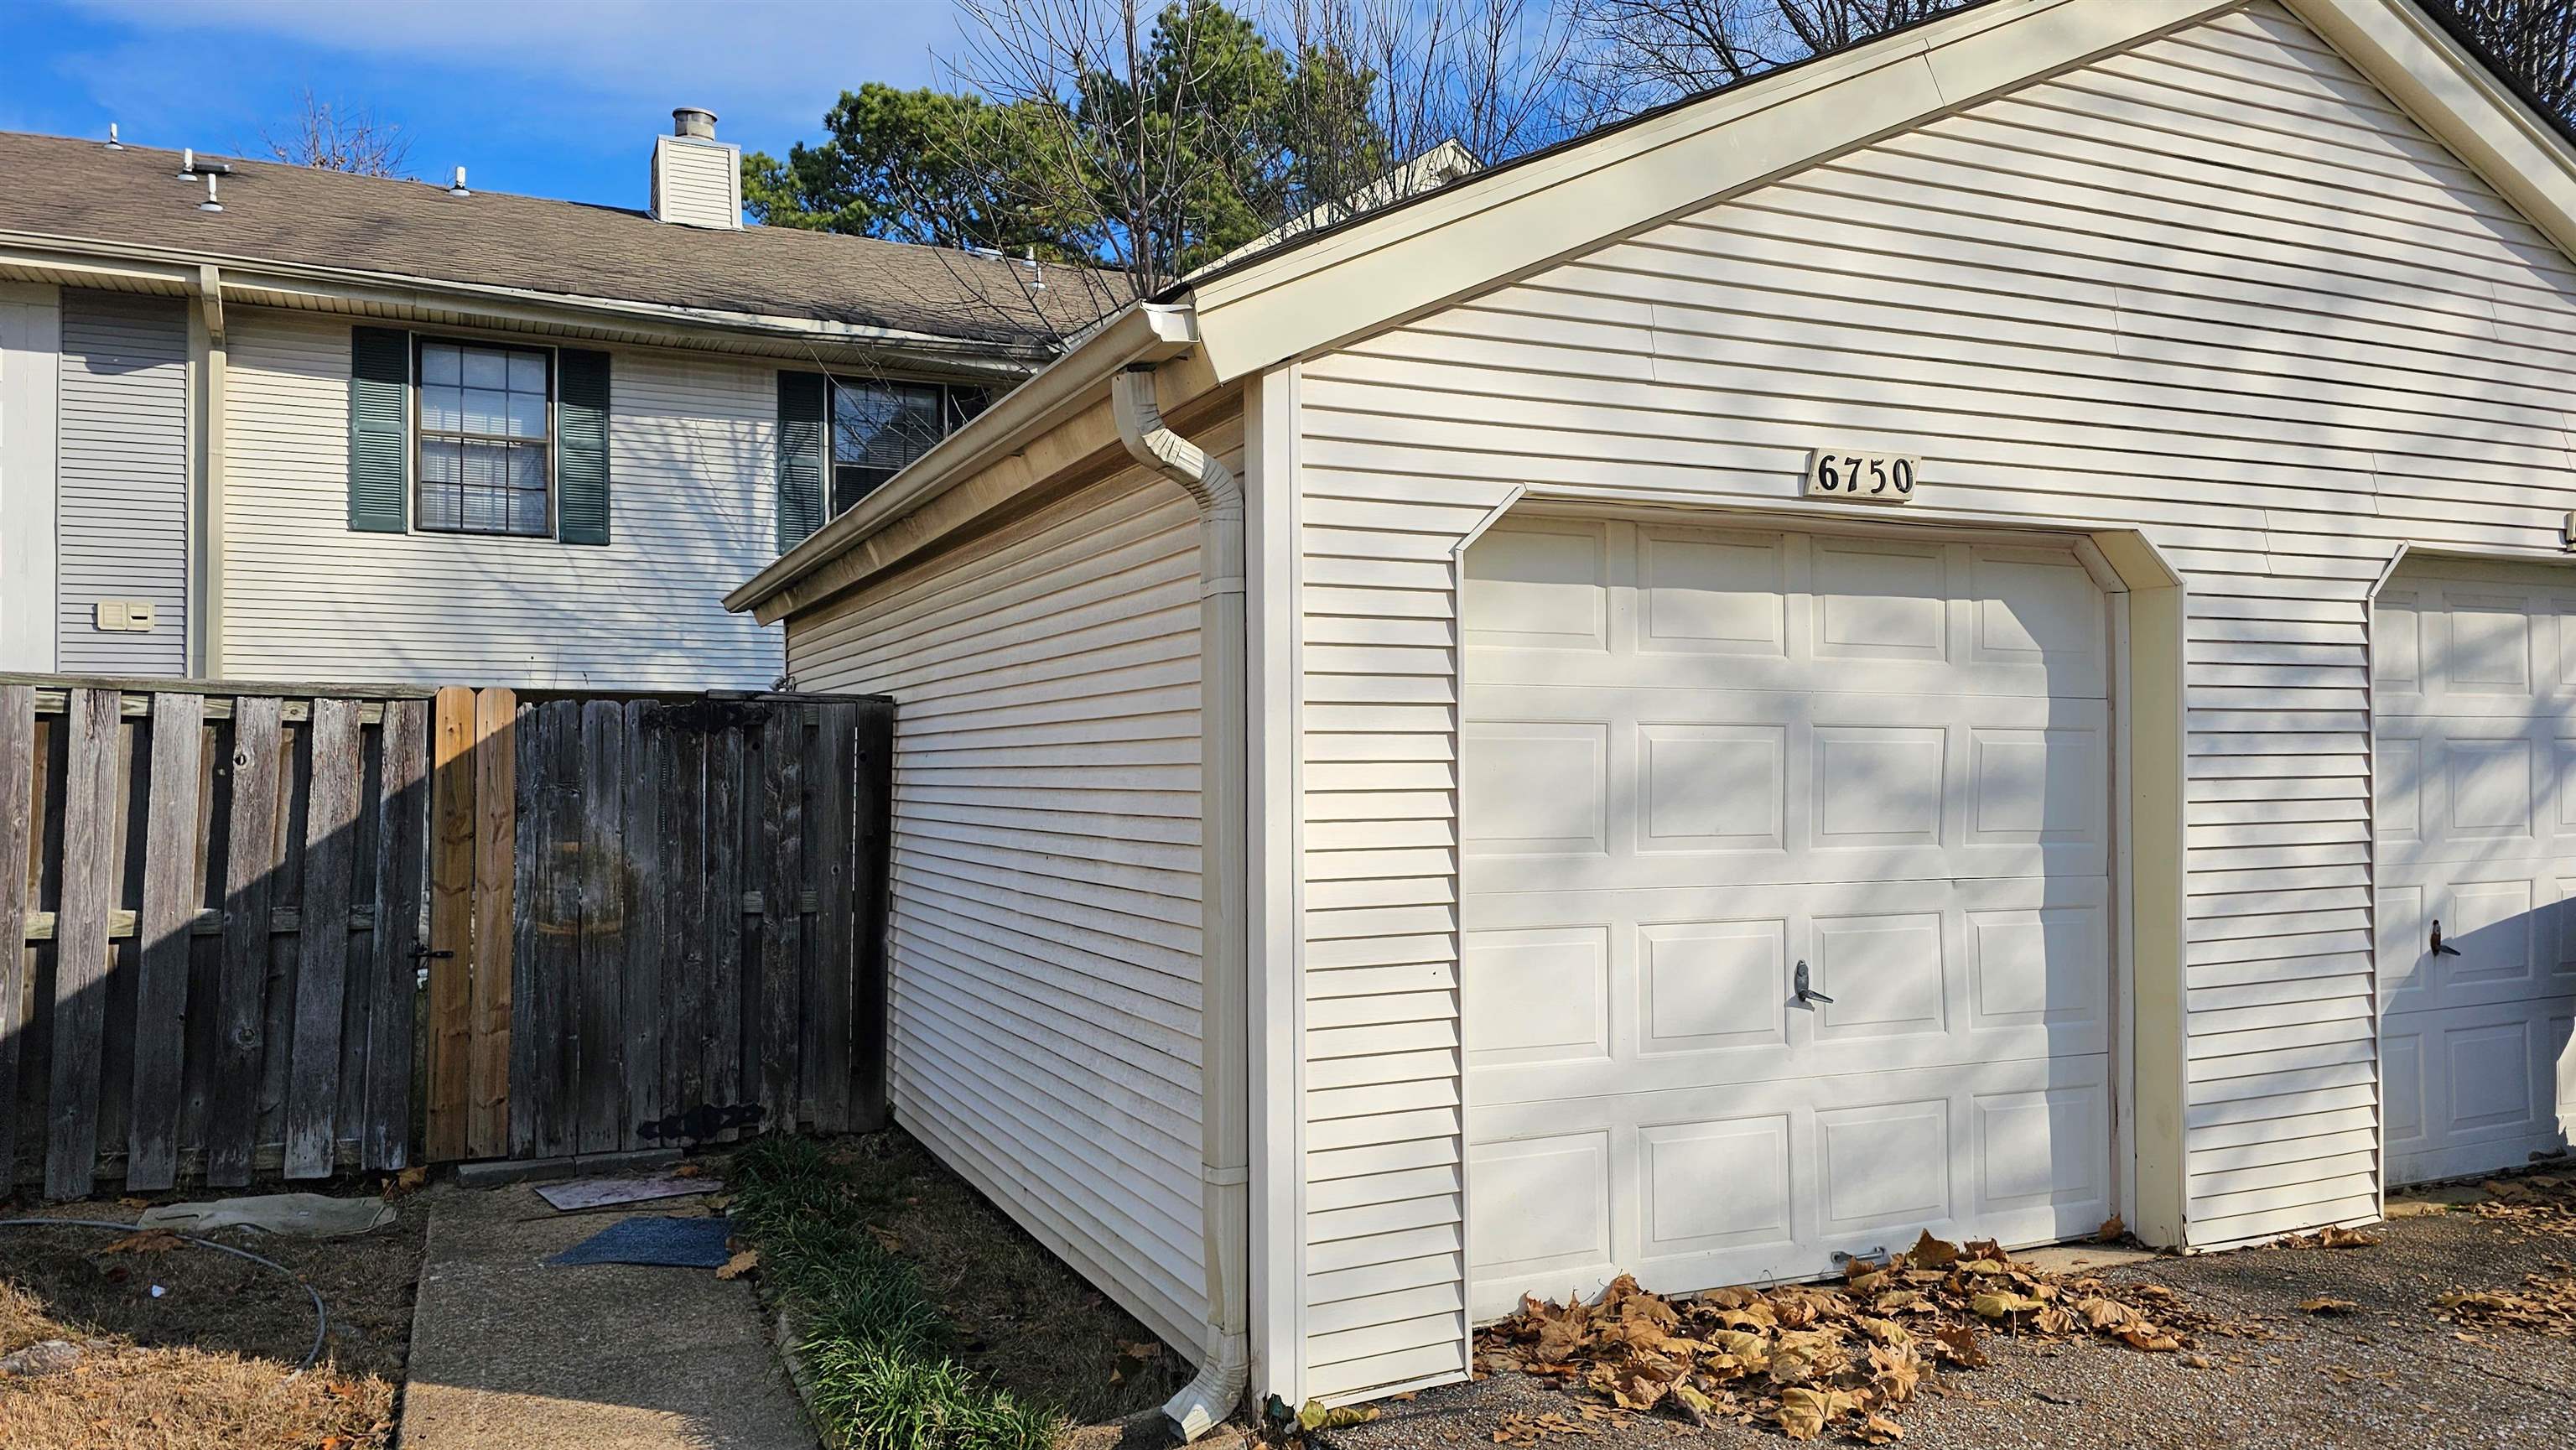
(644, 907)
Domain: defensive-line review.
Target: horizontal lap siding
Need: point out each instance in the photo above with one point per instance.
(2216, 288)
(691, 455)
(121, 442)
(1045, 924)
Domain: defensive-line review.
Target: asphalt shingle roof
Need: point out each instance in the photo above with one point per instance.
(79, 190)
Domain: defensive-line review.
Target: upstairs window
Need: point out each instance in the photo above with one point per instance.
(880, 427)
(485, 441)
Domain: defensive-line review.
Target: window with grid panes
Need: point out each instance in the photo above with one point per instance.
(484, 431)
(879, 427)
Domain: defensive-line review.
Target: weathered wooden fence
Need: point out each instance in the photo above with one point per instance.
(639, 908)
(626, 908)
(218, 893)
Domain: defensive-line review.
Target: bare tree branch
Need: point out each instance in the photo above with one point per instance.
(1641, 53)
(333, 137)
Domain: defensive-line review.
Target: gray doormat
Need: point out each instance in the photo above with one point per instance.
(679, 1243)
(583, 1193)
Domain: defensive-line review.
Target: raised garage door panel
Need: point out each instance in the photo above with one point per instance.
(1694, 758)
(2475, 697)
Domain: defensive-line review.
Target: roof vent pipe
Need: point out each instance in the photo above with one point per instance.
(457, 188)
(696, 122)
(112, 143)
(210, 203)
(188, 164)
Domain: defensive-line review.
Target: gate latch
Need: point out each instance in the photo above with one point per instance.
(1807, 994)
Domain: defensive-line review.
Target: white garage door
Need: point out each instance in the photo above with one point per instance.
(2475, 694)
(1697, 759)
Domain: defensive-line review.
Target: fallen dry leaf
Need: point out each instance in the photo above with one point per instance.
(2324, 1305)
(2326, 1238)
(740, 1264)
(2544, 1304)
(2113, 1229)
(1815, 1361)
(1315, 1415)
(150, 1241)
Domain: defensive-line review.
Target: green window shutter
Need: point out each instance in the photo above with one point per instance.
(804, 421)
(379, 429)
(581, 446)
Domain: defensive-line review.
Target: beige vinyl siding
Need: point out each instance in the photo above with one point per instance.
(691, 454)
(2217, 288)
(1044, 937)
(697, 183)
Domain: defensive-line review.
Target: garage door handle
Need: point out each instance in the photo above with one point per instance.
(2440, 950)
(1807, 994)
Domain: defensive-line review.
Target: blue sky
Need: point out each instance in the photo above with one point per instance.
(551, 97)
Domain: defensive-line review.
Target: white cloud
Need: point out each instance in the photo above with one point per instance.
(766, 64)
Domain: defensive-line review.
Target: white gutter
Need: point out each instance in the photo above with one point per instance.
(1224, 1082)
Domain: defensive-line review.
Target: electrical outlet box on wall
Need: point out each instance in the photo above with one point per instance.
(134, 616)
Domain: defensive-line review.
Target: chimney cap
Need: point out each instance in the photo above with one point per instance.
(694, 121)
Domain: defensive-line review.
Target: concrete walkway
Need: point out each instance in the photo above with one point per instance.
(508, 1353)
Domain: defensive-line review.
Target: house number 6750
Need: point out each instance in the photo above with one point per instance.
(1862, 477)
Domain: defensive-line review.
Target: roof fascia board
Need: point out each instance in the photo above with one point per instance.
(294, 284)
(65, 269)
(1516, 220)
(997, 450)
(2453, 95)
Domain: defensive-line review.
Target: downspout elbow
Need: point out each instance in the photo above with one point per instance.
(1151, 442)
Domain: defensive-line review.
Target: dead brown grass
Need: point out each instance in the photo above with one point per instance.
(120, 1397)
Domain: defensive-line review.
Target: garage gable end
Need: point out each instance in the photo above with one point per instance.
(2219, 289)
(1300, 299)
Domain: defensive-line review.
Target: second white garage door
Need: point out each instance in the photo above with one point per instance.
(2474, 694)
(1698, 759)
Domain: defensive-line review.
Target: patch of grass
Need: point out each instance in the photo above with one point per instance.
(883, 1355)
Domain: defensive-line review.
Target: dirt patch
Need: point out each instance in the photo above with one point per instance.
(216, 1302)
(1025, 1322)
(208, 1360)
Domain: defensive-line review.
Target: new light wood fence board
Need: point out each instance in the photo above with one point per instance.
(451, 922)
(487, 1089)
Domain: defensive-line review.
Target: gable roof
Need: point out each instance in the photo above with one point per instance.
(1513, 219)
(1286, 240)
(75, 192)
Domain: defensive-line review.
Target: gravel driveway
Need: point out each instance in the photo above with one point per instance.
(2387, 1376)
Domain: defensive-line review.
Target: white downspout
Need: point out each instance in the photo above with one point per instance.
(1225, 1111)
